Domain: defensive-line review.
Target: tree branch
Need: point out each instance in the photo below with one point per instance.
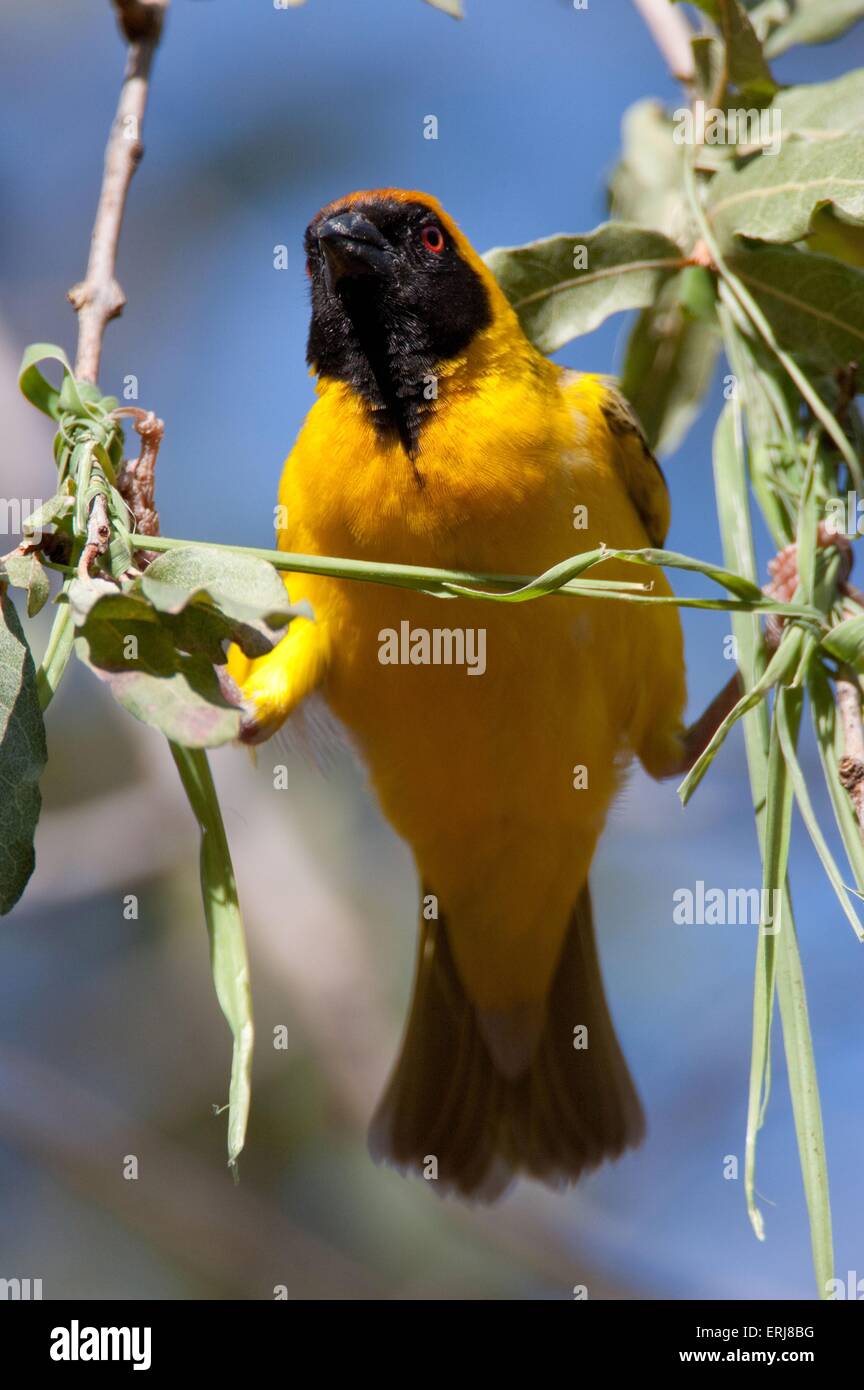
(672, 35)
(141, 19)
(98, 298)
(98, 536)
(136, 480)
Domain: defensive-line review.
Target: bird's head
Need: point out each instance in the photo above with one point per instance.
(397, 293)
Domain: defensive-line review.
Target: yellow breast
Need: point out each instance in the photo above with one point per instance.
(503, 727)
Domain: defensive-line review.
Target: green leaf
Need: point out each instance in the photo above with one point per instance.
(89, 435)
(205, 631)
(194, 627)
(119, 558)
(55, 659)
(813, 21)
(560, 579)
(242, 587)
(566, 571)
(22, 756)
(730, 478)
(806, 1106)
(38, 588)
(646, 187)
(833, 236)
(815, 304)
(564, 286)
(86, 596)
(822, 110)
(747, 66)
(775, 860)
(738, 552)
(781, 667)
(33, 384)
(788, 736)
(771, 412)
(774, 197)
(670, 360)
(77, 395)
(696, 292)
(136, 657)
(26, 572)
(56, 509)
(846, 642)
(227, 938)
(805, 530)
(730, 481)
(709, 56)
(804, 1090)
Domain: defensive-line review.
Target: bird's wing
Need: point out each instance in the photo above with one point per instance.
(642, 474)
(637, 467)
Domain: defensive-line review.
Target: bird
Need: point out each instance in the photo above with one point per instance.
(441, 437)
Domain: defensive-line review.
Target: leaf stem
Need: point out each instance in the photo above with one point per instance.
(228, 956)
(57, 654)
(564, 578)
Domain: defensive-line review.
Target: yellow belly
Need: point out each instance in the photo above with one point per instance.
(500, 781)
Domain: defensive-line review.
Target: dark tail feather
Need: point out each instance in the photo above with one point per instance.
(567, 1111)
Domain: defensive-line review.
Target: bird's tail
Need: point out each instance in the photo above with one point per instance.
(454, 1115)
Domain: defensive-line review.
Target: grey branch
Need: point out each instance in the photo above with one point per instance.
(672, 34)
(98, 536)
(98, 298)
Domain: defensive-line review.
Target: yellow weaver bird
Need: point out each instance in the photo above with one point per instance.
(441, 437)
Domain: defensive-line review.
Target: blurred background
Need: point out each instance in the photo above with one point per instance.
(111, 1041)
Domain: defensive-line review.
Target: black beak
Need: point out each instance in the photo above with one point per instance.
(352, 246)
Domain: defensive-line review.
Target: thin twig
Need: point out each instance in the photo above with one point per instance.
(140, 19)
(98, 536)
(672, 35)
(136, 481)
(98, 298)
(851, 765)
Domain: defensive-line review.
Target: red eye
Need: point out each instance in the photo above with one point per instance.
(433, 239)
